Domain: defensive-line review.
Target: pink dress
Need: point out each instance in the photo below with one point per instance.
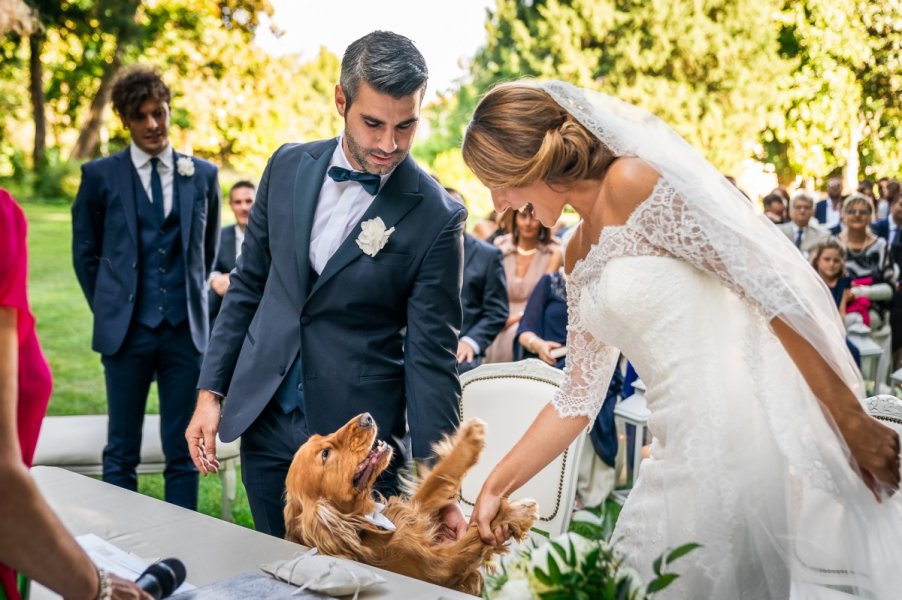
(34, 373)
(518, 291)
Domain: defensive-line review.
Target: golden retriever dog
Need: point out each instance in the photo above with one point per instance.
(329, 494)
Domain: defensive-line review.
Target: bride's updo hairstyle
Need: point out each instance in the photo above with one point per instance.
(519, 135)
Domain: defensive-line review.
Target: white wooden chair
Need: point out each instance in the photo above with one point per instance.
(508, 397)
(887, 409)
(76, 443)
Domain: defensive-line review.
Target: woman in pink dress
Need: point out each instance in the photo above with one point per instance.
(530, 251)
(32, 540)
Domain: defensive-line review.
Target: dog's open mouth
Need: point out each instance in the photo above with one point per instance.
(364, 470)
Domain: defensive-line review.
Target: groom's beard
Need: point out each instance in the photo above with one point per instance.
(361, 155)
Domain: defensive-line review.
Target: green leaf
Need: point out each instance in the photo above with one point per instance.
(553, 570)
(656, 566)
(682, 551)
(659, 583)
(543, 577)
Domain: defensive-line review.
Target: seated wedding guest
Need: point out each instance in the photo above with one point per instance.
(801, 229)
(483, 298)
(33, 542)
(868, 259)
(542, 331)
(890, 226)
(774, 208)
(241, 198)
(866, 188)
(530, 251)
(890, 229)
(828, 211)
(828, 259)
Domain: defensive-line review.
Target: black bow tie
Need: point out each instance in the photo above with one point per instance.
(369, 181)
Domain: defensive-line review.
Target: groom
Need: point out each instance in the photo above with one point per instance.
(349, 245)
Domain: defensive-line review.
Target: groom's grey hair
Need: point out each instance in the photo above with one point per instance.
(388, 62)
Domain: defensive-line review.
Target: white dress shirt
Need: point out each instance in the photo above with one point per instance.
(834, 216)
(339, 209)
(239, 240)
(141, 160)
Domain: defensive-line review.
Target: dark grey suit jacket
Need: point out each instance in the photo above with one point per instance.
(484, 295)
(105, 243)
(225, 262)
(348, 324)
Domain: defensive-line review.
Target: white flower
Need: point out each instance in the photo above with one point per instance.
(581, 547)
(373, 236)
(514, 589)
(185, 166)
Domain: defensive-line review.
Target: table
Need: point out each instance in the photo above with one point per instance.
(211, 549)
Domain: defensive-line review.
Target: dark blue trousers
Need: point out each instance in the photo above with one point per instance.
(167, 353)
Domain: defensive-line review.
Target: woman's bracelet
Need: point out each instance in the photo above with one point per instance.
(530, 341)
(106, 585)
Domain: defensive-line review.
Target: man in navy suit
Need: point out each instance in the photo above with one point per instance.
(483, 298)
(828, 211)
(349, 245)
(145, 226)
(241, 199)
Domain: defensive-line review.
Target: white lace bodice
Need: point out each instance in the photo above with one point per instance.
(662, 225)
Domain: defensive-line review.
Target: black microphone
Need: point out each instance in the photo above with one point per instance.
(162, 578)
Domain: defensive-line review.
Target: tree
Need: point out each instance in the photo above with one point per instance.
(705, 67)
(841, 104)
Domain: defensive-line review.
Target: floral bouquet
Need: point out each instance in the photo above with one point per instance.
(578, 565)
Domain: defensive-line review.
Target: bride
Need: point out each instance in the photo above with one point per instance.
(762, 450)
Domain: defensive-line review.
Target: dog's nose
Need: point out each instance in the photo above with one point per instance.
(366, 421)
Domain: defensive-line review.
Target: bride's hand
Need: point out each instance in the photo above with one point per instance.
(484, 511)
(875, 448)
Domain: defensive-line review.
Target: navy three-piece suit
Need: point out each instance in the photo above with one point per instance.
(144, 278)
(297, 353)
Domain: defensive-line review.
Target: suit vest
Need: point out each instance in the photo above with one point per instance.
(161, 269)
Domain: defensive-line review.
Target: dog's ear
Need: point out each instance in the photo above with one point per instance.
(292, 512)
(332, 532)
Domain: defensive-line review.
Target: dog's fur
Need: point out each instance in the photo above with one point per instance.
(324, 508)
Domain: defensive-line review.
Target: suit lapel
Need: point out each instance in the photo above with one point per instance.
(307, 186)
(397, 197)
(184, 194)
(125, 180)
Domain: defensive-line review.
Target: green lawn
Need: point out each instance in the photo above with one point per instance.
(64, 326)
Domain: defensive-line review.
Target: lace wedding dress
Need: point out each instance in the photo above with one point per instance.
(742, 462)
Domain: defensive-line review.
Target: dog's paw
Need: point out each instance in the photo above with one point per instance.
(472, 431)
(520, 517)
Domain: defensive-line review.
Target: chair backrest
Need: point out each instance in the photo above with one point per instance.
(886, 408)
(508, 397)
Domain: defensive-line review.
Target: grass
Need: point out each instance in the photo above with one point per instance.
(64, 327)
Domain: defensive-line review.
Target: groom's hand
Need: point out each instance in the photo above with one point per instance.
(454, 524)
(201, 432)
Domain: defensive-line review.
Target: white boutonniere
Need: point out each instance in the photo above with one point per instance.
(185, 166)
(373, 236)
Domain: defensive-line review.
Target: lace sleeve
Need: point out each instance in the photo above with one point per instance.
(670, 223)
(590, 364)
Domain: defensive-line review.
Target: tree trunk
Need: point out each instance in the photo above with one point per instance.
(36, 72)
(89, 136)
(850, 171)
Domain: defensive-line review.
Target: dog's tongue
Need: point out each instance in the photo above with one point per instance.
(365, 468)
